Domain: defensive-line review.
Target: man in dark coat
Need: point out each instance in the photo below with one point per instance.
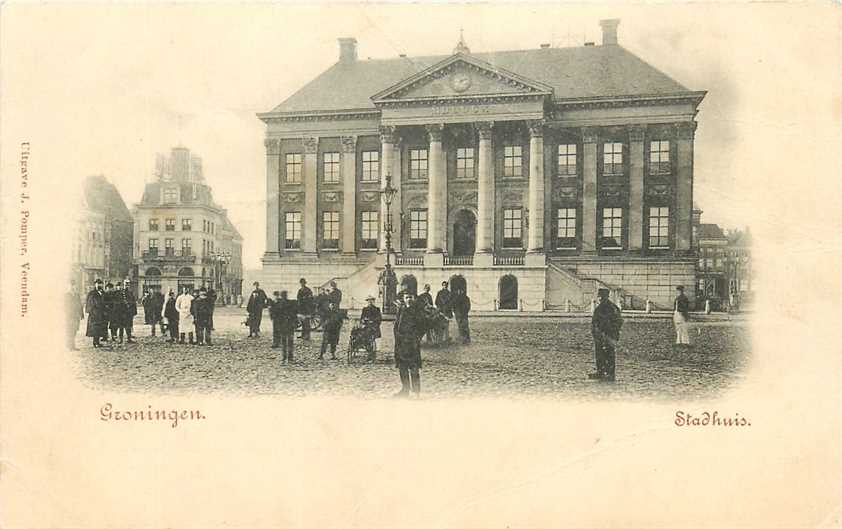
(410, 326)
(202, 310)
(605, 328)
(153, 303)
(305, 307)
(444, 301)
(73, 313)
(125, 308)
(461, 307)
(284, 314)
(112, 322)
(331, 327)
(257, 302)
(97, 317)
(370, 318)
(334, 295)
(171, 314)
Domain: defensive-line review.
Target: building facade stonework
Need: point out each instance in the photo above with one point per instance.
(539, 175)
(183, 238)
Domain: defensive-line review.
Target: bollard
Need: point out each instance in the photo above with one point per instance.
(521, 306)
(495, 305)
(707, 306)
(543, 305)
(568, 308)
(648, 306)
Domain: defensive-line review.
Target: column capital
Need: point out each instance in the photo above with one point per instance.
(536, 128)
(387, 134)
(349, 144)
(686, 130)
(273, 145)
(590, 135)
(435, 130)
(484, 129)
(311, 144)
(637, 133)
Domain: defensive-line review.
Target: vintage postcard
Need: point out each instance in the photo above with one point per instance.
(428, 265)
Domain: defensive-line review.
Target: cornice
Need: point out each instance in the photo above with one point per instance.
(460, 100)
(327, 115)
(693, 98)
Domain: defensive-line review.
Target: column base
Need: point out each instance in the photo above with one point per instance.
(535, 259)
(434, 260)
(484, 259)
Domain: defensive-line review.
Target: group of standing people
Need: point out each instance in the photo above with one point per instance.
(450, 305)
(111, 310)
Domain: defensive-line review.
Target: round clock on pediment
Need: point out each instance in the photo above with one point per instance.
(460, 81)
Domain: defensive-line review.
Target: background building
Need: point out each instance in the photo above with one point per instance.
(724, 269)
(539, 175)
(182, 237)
(103, 246)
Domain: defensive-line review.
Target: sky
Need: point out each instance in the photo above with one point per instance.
(100, 89)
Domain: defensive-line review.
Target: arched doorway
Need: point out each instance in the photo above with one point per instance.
(508, 292)
(186, 279)
(464, 233)
(152, 280)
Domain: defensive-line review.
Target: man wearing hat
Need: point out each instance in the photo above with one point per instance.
(605, 328)
(125, 309)
(371, 319)
(305, 307)
(97, 317)
(681, 317)
(202, 309)
(257, 302)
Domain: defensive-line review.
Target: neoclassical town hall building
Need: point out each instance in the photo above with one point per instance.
(539, 175)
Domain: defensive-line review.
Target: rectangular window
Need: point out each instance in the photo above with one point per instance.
(331, 167)
(170, 224)
(170, 195)
(153, 247)
(659, 221)
(371, 166)
(513, 228)
(566, 235)
(612, 158)
(168, 247)
(330, 229)
(153, 224)
(513, 161)
(292, 230)
(418, 163)
(612, 227)
(418, 228)
(370, 224)
(465, 163)
(293, 168)
(186, 224)
(186, 247)
(659, 157)
(567, 160)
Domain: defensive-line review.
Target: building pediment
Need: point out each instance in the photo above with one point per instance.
(460, 77)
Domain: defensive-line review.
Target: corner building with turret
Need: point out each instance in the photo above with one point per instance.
(539, 175)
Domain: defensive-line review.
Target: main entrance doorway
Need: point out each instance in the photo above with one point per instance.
(464, 233)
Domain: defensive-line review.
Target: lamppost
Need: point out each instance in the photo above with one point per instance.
(387, 278)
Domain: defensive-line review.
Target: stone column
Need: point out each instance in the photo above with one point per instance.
(387, 148)
(589, 191)
(349, 195)
(437, 192)
(397, 177)
(536, 187)
(485, 195)
(637, 216)
(273, 195)
(310, 215)
(685, 132)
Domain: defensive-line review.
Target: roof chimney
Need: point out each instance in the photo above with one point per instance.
(347, 49)
(609, 31)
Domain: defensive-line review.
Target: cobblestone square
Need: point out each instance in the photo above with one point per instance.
(508, 355)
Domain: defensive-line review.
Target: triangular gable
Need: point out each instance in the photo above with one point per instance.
(461, 76)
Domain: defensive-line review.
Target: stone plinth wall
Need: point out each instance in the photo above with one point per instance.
(654, 280)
